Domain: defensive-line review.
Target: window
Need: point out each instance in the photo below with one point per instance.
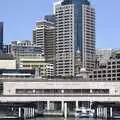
(100, 91)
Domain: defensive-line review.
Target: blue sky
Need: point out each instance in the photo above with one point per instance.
(19, 18)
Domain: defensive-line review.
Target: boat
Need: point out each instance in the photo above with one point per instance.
(84, 112)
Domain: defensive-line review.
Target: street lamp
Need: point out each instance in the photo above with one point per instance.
(62, 91)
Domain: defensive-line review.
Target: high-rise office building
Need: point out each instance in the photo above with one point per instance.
(44, 36)
(56, 3)
(75, 37)
(1, 35)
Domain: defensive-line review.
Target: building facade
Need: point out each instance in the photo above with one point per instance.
(30, 57)
(60, 88)
(1, 35)
(56, 4)
(8, 64)
(102, 55)
(110, 70)
(22, 42)
(24, 49)
(7, 49)
(75, 33)
(7, 61)
(44, 36)
(42, 68)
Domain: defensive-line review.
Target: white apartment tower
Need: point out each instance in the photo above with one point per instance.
(44, 36)
(75, 37)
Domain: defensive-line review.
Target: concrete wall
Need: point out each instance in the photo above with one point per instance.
(7, 64)
(10, 87)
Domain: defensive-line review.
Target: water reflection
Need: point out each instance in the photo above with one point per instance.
(56, 118)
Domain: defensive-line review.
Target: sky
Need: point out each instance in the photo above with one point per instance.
(19, 17)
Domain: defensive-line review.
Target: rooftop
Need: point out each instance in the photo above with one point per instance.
(48, 80)
(65, 2)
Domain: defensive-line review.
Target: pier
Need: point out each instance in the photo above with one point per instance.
(39, 97)
(33, 109)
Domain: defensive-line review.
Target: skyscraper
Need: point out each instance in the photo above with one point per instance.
(1, 35)
(56, 3)
(75, 37)
(44, 36)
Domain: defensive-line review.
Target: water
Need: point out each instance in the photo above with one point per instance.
(61, 118)
(57, 118)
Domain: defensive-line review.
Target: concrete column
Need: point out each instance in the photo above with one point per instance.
(62, 106)
(24, 112)
(28, 113)
(65, 111)
(31, 114)
(48, 105)
(19, 112)
(98, 112)
(102, 112)
(77, 105)
(111, 112)
(106, 112)
(33, 111)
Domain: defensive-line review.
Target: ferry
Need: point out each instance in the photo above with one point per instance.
(84, 112)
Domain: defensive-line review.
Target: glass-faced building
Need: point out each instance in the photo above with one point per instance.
(50, 18)
(1, 35)
(77, 2)
(75, 34)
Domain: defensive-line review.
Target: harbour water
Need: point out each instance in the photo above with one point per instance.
(57, 118)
